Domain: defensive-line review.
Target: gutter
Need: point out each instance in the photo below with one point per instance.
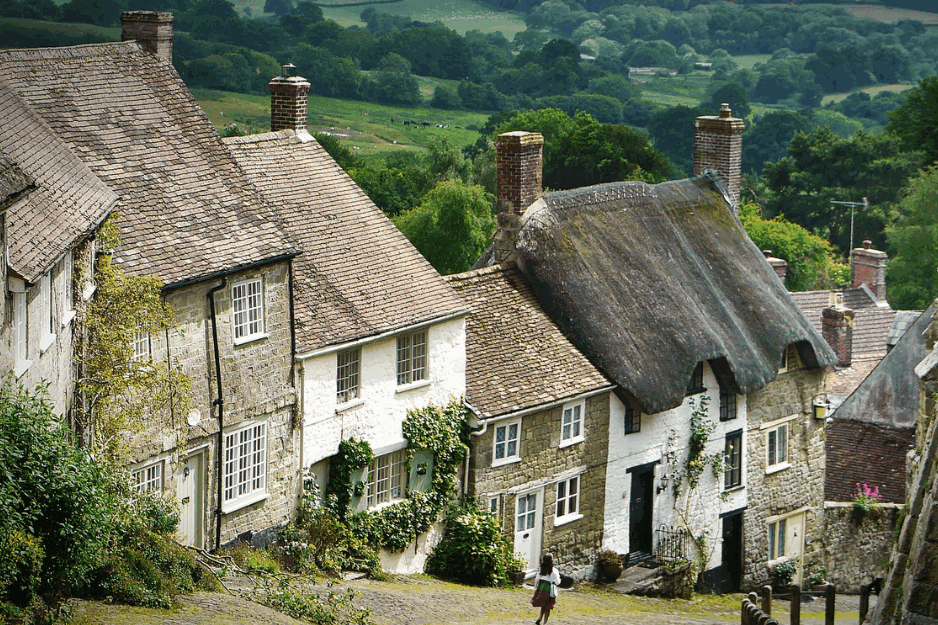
(224, 273)
(520, 413)
(219, 403)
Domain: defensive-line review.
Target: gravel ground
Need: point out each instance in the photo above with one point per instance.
(421, 600)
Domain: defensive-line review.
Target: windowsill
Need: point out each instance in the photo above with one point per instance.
(728, 419)
(504, 461)
(88, 291)
(632, 432)
(68, 317)
(251, 338)
(403, 388)
(231, 506)
(382, 506)
(355, 403)
(734, 489)
(571, 442)
(21, 367)
(775, 468)
(46, 342)
(570, 518)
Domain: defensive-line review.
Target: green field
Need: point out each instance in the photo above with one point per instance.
(749, 60)
(367, 128)
(76, 30)
(837, 97)
(460, 15)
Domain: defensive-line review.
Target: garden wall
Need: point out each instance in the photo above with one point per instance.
(858, 545)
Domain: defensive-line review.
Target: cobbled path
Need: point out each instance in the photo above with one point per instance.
(424, 601)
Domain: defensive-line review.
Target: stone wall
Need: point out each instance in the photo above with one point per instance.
(542, 460)
(857, 544)
(794, 489)
(257, 386)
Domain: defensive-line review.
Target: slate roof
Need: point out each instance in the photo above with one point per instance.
(889, 394)
(358, 276)
(866, 453)
(516, 357)
(900, 323)
(13, 180)
(69, 202)
(649, 280)
(187, 212)
(872, 322)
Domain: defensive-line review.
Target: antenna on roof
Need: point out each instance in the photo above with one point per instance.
(853, 206)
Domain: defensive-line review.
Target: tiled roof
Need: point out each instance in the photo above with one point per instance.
(187, 212)
(13, 180)
(70, 200)
(866, 453)
(901, 323)
(516, 357)
(358, 275)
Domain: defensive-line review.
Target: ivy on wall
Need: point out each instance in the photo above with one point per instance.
(441, 431)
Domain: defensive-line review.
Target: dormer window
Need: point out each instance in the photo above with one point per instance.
(727, 404)
(783, 366)
(696, 381)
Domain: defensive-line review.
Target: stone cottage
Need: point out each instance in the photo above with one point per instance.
(378, 331)
(190, 217)
(538, 451)
(661, 289)
(54, 205)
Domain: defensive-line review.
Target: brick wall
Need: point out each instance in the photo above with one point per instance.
(288, 103)
(718, 145)
(798, 487)
(837, 328)
(575, 543)
(869, 267)
(519, 173)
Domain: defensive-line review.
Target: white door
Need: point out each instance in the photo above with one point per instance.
(528, 514)
(794, 538)
(189, 491)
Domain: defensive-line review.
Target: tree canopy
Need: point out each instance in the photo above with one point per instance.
(912, 272)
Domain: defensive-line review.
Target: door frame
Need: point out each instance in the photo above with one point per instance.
(199, 483)
(533, 557)
(648, 510)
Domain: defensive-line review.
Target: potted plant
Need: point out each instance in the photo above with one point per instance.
(516, 566)
(818, 578)
(609, 564)
(783, 573)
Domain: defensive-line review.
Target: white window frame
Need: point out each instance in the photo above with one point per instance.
(20, 333)
(776, 531)
(46, 315)
(245, 464)
(413, 366)
(148, 478)
(571, 424)
(141, 347)
(495, 505)
(776, 441)
(567, 505)
(348, 375)
(65, 287)
(247, 310)
(89, 286)
(503, 452)
(386, 480)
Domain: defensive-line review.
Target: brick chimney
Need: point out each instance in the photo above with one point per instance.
(519, 161)
(779, 265)
(288, 101)
(869, 267)
(718, 145)
(151, 29)
(837, 329)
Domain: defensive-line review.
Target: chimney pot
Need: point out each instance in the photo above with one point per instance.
(767, 253)
(867, 244)
(151, 29)
(725, 112)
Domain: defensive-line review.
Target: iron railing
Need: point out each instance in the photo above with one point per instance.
(670, 544)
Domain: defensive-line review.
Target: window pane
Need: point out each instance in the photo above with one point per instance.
(246, 462)
(783, 443)
(513, 431)
(781, 537)
(512, 448)
(772, 541)
(772, 438)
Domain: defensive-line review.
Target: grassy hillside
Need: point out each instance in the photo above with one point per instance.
(368, 128)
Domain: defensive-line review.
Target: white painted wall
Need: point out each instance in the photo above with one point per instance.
(704, 505)
(382, 409)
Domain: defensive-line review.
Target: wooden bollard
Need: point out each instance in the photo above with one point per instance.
(795, 604)
(865, 591)
(767, 599)
(830, 605)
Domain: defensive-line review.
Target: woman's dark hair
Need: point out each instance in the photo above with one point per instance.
(547, 564)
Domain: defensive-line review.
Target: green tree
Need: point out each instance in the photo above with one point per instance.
(393, 82)
(915, 121)
(732, 94)
(913, 243)
(451, 227)
(768, 137)
(811, 262)
(672, 130)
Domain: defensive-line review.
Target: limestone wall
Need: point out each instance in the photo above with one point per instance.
(858, 545)
(789, 490)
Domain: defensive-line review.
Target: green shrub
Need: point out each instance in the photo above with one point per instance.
(20, 567)
(474, 549)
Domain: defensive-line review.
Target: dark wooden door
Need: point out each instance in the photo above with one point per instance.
(732, 552)
(640, 511)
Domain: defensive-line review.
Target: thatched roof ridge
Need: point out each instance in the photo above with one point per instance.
(649, 280)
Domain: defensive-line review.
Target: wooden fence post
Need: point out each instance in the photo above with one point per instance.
(830, 606)
(767, 599)
(795, 604)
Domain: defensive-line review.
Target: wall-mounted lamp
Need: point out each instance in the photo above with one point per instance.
(820, 404)
(663, 483)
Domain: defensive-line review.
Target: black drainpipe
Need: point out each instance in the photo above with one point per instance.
(219, 403)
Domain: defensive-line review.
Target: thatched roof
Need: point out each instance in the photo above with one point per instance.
(649, 280)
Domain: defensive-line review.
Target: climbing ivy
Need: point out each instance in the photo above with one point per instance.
(353, 456)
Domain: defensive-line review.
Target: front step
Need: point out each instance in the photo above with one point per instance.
(640, 558)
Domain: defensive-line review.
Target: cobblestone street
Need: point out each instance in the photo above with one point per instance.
(424, 601)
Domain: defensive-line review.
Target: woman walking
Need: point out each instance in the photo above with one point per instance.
(545, 588)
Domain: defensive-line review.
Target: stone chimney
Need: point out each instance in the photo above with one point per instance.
(778, 264)
(519, 161)
(718, 145)
(288, 101)
(837, 329)
(151, 29)
(869, 267)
